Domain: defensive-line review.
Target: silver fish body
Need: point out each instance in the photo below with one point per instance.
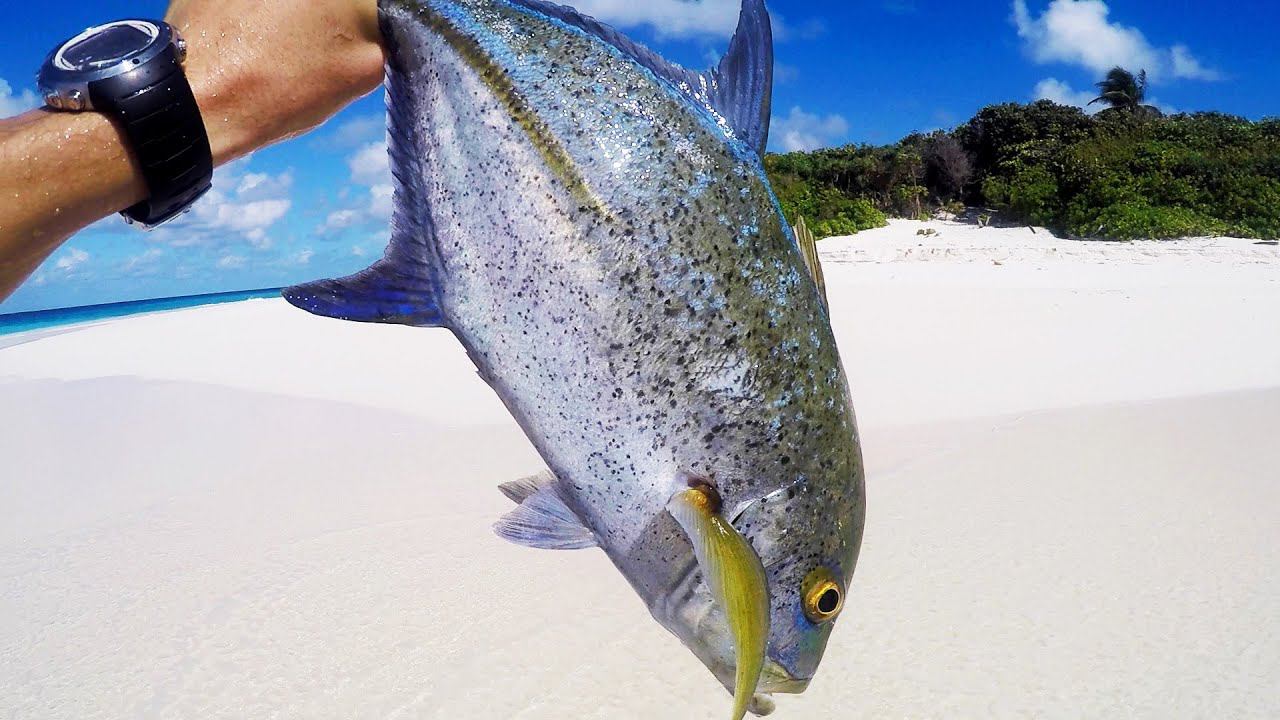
(609, 251)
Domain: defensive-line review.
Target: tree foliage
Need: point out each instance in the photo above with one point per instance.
(1121, 174)
(1122, 90)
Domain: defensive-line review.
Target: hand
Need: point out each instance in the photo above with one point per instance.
(267, 70)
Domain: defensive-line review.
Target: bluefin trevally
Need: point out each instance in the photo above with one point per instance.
(595, 226)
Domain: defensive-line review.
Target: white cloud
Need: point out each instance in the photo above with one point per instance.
(72, 259)
(303, 257)
(373, 196)
(340, 219)
(381, 201)
(143, 264)
(370, 165)
(242, 206)
(688, 18)
(258, 238)
(15, 103)
(1185, 65)
(249, 218)
(358, 131)
(668, 18)
(261, 186)
(803, 131)
(1063, 94)
(1081, 32)
(72, 264)
(231, 262)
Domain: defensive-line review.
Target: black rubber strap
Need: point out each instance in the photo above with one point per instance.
(157, 111)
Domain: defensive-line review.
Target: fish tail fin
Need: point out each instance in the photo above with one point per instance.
(402, 288)
(381, 294)
(739, 89)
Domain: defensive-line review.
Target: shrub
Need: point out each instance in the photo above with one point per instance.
(997, 129)
(858, 216)
(947, 167)
(1136, 220)
(1033, 195)
(1124, 174)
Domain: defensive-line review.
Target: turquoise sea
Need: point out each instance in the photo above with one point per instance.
(24, 321)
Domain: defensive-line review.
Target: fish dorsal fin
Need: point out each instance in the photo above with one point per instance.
(739, 90)
(543, 520)
(809, 249)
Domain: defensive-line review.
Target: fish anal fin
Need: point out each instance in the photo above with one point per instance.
(543, 520)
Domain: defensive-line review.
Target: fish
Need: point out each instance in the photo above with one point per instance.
(595, 226)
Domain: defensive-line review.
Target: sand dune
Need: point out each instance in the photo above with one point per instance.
(243, 511)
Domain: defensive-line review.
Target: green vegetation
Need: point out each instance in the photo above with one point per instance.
(1126, 173)
(1122, 90)
(828, 210)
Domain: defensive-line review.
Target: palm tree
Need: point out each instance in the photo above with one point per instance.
(1122, 90)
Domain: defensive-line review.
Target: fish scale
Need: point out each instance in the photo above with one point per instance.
(603, 241)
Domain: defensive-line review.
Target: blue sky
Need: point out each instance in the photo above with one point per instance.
(850, 71)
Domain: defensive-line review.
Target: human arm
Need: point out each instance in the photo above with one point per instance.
(261, 72)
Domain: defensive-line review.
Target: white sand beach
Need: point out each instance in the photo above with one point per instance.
(243, 511)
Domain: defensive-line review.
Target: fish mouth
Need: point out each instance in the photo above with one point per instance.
(776, 680)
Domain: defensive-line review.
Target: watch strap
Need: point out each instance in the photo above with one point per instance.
(155, 108)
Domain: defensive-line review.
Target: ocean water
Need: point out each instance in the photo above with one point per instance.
(24, 321)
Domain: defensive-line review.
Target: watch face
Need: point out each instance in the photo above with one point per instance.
(105, 46)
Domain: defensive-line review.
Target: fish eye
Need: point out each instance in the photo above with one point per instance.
(823, 597)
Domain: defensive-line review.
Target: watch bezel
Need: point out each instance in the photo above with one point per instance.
(68, 89)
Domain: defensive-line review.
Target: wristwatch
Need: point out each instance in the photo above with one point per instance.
(131, 71)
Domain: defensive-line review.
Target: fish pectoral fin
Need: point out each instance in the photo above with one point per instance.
(809, 248)
(733, 571)
(543, 520)
(517, 491)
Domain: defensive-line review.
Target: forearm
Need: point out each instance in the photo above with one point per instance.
(260, 72)
(58, 173)
(61, 172)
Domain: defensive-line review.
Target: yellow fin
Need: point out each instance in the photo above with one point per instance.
(733, 571)
(809, 248)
